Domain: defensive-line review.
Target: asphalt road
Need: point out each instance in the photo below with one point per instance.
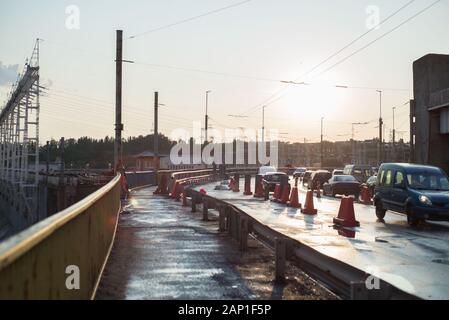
(415, 260)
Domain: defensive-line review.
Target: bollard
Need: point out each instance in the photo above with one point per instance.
(205, 210)
(266, 194)
(258, 188)
(237, 183)
(222, 219)
(280, 257)
(243, 234)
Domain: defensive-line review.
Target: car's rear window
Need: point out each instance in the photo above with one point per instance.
(345, 178)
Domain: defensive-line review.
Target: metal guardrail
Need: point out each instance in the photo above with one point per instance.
(33, 263)
(344, 280)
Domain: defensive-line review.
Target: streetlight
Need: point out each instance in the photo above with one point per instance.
(380, 147)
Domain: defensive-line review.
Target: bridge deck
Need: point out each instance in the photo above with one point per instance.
(163, 251)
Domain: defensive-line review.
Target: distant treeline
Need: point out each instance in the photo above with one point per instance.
(99, 153)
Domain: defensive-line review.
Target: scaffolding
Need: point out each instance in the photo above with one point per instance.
(19, 147)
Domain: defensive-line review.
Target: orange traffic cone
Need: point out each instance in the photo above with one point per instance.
(309, 208)
(277, 193)
(285, 195)
(366, 195)
(294, 201)
(173, 190)
(259, 190)
(248, 186)
(346, 214)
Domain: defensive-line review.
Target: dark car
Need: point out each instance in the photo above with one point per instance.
(421, 192)
(306, 177)
(299, 172)
(337, 172)
(319, 177)
(342, 184)
(270, 180)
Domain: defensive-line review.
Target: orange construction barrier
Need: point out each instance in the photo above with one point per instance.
(346, 214)
(309, 208)
(294, 200)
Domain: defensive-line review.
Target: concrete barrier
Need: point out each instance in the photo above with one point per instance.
(43, 261)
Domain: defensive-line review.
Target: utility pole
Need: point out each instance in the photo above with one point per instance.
(118, 101)
(321, 144)
(47, 163)
(206, 119)
(263, 130)
(394, 138)
(380, 146)
(156, 129)
(61, 189)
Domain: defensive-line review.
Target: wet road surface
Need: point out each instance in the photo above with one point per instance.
(415, 260)
(163, 251)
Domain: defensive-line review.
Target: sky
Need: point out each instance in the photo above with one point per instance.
(240, 54)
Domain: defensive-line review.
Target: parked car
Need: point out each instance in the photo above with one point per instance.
(299, 172)
(270, 180)
(360, 172)
(306, 177)
(319, 177)
(337, 172)
(371, 183)
(421, 192)
(266, 169)
(342, 184)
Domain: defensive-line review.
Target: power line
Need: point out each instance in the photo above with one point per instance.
(190, 19)
(377, 39)
(279, 92)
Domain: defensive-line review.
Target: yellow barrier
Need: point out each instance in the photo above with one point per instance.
(42, 261)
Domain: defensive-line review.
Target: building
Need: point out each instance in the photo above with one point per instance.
(429, 111)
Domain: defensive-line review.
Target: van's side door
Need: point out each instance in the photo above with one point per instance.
(399, 193)
(386, 188)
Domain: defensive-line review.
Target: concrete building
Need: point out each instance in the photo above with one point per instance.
(429, 111)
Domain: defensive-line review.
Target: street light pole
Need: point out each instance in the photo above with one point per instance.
(380, 146)
(321, 145)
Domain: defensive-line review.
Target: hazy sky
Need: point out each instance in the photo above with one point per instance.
(263, 40)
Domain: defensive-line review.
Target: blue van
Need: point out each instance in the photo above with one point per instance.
(421, 192)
